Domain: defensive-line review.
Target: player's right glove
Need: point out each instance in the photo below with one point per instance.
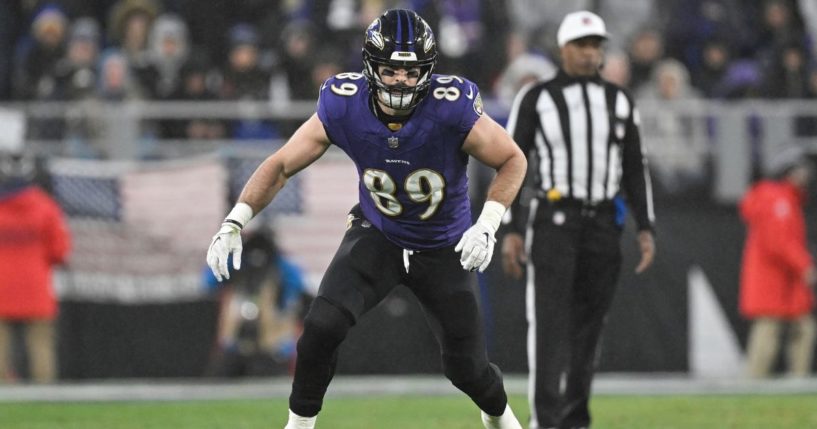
(228, 240)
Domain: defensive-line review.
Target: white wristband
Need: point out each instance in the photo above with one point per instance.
(491, 215)
(240, 214)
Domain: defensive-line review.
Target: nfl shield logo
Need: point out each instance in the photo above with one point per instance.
(393, 143)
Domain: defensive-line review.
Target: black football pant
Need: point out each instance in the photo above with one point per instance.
(365, 269)
(576, 257)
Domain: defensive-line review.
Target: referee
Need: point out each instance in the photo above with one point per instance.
(584, 133)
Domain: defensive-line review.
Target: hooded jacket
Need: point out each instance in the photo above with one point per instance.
(33, 238)
(775, 255)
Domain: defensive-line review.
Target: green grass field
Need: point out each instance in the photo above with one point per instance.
(404, 412)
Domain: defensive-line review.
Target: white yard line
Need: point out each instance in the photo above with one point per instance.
(426, 385)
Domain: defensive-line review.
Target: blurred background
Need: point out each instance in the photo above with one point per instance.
(146, 117)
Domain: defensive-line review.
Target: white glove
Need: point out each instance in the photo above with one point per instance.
(228, 240)
(477, 245)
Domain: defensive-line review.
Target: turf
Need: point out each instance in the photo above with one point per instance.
(403, 412)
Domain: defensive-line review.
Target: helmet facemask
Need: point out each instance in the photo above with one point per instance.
(398, 96)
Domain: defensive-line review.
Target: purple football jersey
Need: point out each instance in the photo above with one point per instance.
(413, 184)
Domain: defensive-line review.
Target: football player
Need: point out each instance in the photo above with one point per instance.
(410, 134)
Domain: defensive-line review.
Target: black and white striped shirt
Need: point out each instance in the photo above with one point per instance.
(586, 138)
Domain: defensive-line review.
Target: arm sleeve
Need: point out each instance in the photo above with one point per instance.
(325, 99)
(635, 175)
(472, 108)
(59, 240)
(778, 233)
(334, 98)
(522, 125)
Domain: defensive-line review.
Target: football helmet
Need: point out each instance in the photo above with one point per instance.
(399, 38)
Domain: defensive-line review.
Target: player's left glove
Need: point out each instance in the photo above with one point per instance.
(477, 243)
(477, 246)
(228, 240)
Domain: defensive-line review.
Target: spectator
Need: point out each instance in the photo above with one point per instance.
(779, 26)
(788, 78)
(262, 307)
(76, 73)
(669, 81)
(678, 147)
(95, 9)
(616, 68)
(327, 64)
(524, 64)
(33, 239)
(38, 55)
(340, 23)
(168, 50)
(466, 45)
(537, 20)
(778, 274)
(129, 25)
(715, 60)
(524, 69)
(197, 85)
(92, 121)
(787, 75)
(245, 79)
(628, 17)
(35, 72)
(742, 80)
(646, 50)
(209, 21)
(115, 81)
(76, 80)
(688, 24)
(298, 39)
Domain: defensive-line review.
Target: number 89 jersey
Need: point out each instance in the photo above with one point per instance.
(413, 183)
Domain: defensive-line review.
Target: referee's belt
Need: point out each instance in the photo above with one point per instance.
(586, 208)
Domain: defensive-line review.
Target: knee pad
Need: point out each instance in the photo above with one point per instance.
(325, 327)
(461, 369)
(469, 373)
(484, 386)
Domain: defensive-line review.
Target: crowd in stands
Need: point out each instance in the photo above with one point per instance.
(72, 50)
